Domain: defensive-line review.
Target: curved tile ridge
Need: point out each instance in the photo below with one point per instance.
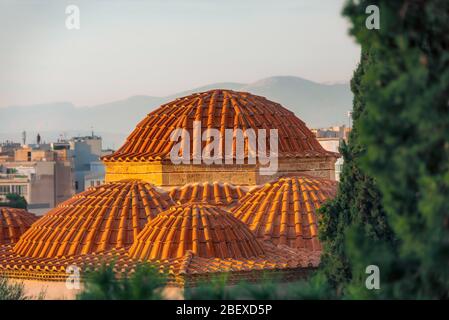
(101, 218)
(54, 269)
(279, 258)
(284, 211)
(207, 231)
(219, 109)
(214, 193)
(13, 223)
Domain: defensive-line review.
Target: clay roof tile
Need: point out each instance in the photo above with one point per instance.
(284, 211)
(13, 223)
(220, 109)
(205, 230)
(214, 193)
(99, 219)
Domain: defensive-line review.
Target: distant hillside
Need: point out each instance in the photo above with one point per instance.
(222, 85)
(319, 105)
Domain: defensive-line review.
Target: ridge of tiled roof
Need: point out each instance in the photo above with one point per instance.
(55, 268)
(214, 193)
(206, 230)
(220, 109)
(274, 258)
(99, 219)
(180, 270)
(284, 211)
(13, 223)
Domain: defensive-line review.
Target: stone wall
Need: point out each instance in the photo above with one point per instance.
(323, 167)
(166, 174)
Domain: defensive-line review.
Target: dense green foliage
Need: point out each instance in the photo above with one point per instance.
(145, 283)
(392, 208)
(405, 128)
(11, 291)
(268, 288)
(358, 205)
(15, 201)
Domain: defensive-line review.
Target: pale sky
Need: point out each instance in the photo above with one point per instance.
(127, 48)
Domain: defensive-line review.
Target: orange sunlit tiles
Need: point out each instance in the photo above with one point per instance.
(13, 223)
(207, 231)
(219, 109)
(187, 242)
(187, 232)
(285, 211)
(180, 269)
(216, 193)
(54, 269)
(101, 218)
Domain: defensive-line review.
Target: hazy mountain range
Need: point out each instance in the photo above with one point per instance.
(319, 105)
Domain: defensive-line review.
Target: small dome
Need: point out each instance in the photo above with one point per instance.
(285, 211)
(215, 193)
(13, 223)
(205, 230)
(101, 218)
(219, 109)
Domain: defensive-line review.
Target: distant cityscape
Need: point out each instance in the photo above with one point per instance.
(330, 139)
(48, 173)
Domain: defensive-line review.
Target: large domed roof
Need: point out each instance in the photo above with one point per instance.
(220, 109)
(13, 223)
(285, 211)
(101, 218)
(216, 193)
(205, 230)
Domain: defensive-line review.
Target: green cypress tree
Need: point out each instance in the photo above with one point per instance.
(405, 128)
(358, 201)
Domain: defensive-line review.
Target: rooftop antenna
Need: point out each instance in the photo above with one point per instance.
(24, 137)
(38, 139)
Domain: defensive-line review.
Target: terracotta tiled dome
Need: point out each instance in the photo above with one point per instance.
(216, 193)
(220, 109)
(205, 230)
(101, 218)
(284, 211)
(188, 269)
(13, 223)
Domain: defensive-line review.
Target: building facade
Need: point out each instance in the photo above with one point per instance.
(86, 150)
(333, 144)
(41, 174)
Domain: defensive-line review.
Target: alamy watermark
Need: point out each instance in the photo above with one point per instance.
(373, 280)
(72, 21)
(373, 20)
(189, 151)
(73, 277)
